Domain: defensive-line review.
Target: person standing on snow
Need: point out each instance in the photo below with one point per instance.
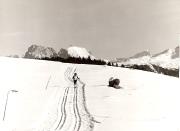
(75, 79)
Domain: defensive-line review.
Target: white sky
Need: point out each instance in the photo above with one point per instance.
(108, 28)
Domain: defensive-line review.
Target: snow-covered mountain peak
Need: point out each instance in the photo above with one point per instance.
(167, 59)
(142, 57)
(75, 51)
(141, 54)
(167, 55)
(176, 53)
(139, 58)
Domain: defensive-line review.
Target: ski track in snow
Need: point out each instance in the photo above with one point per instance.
(76, 112)
(70, 118)
(63, 111)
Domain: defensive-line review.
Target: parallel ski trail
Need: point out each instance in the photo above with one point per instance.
(76, 112)
(66, 112)
(60, 122)
(70, 119)
(63, 110)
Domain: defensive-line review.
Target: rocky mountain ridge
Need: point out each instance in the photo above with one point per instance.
(39, 52)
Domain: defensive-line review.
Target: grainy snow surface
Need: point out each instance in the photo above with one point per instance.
(47, 101)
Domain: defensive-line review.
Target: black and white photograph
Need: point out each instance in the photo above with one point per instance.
(89, 65)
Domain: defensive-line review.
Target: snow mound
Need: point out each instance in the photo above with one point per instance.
(77, 52)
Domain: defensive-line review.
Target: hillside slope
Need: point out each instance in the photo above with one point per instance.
(147, 101)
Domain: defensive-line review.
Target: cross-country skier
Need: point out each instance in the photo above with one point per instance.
(75, 79)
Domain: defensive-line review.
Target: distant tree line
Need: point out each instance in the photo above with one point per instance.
(158, 69)
(113, 64)
(78, 60)
(170, 72)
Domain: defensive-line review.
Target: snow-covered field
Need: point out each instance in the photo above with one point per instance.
(47, 101)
